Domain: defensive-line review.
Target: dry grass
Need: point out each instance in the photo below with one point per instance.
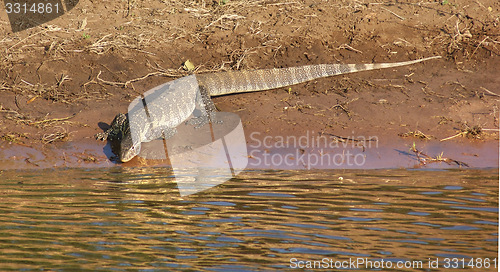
(476, 133)
(27, 120)
(14, 137)
(417, 134)
(59, 134)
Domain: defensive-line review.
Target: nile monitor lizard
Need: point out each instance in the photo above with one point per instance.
(174, 108)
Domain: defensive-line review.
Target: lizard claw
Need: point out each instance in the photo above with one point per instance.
(101, 136)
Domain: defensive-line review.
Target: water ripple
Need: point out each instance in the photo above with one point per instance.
(134, 219)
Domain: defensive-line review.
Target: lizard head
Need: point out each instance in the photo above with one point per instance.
(128, 149)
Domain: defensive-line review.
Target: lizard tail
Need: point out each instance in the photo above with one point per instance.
(365, 67)
(260, 80)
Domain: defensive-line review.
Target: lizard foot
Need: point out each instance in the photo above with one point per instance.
(169, 133)
(101, 136)
(158, 133)
(200, 121)
(109, 135)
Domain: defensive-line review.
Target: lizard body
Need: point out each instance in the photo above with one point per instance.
(172, 103)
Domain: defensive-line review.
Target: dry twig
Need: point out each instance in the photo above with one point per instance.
(393, 13)
(60, 135)
(425, 159)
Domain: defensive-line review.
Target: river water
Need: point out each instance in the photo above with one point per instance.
(133, 219)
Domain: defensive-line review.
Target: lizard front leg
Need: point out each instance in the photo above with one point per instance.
(116, 130)
(210, 115)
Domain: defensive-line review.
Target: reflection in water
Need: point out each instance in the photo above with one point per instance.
(125, 219)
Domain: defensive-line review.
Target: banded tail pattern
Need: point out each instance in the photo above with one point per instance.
(260, 80)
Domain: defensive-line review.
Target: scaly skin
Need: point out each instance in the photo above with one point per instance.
(120, 131)
(221, 84)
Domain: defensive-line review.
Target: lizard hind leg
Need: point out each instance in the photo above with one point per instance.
(160, 132)
(210, 111)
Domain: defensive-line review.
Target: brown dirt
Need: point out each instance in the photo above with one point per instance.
(94, 70)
